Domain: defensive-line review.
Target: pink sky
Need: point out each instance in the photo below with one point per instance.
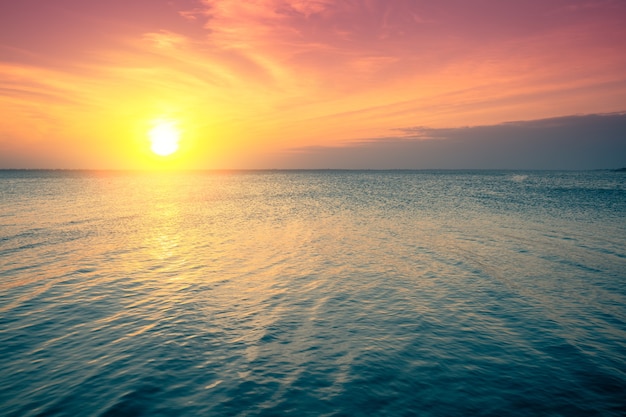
(82, 80)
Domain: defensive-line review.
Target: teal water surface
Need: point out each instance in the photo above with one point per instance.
(312, 293)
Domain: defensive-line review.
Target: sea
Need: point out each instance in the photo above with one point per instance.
(312, 293)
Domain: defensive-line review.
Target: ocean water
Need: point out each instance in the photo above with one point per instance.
(313, 293)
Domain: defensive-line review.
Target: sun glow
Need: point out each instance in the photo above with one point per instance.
(164, 137)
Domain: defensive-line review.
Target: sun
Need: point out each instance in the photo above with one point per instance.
(164, 137)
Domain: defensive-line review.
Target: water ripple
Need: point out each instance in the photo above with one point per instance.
(316, 293)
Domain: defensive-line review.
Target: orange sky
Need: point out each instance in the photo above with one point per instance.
(83, 81)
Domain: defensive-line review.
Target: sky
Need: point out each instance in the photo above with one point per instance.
(378, 84)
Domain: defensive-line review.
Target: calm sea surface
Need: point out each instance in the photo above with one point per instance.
(320, 293)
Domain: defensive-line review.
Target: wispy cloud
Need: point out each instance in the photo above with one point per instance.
(391, 54)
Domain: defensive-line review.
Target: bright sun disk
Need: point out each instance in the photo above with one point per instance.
(164, 137)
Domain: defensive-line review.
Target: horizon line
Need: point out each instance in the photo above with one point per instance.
(191, 170)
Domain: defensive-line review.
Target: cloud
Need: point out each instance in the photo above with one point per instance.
(165, 39)
(593, 141)
(293, 29)
(416, 50)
